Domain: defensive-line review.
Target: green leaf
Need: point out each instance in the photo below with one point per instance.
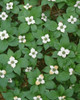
(49, 60)
(50, 85)
(51, 25)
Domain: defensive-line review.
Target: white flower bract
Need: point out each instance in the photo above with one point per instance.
(43, 17)
(45, 38)
(37, 97)
(71, 71)
(2, 73)
(9, 5)
(40, 80)
(61, 98)
(10, 80)
(22, 39)
(63, 52)
(51, 0)
(3, 35)
(30, 20)
(3, 16)
(28, 69)
(72, 19)
(53, 70)
(27, 6)
(77, 4)
(16, 98)
(33, 53)
(12, 61)
(61, 27)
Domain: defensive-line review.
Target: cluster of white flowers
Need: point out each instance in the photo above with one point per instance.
(51, 0)
(37, 97)
(22, 39)
(40, 80)
(2, 73)
(3, 16)
(53, 70)
(10, 80)
(3, 35)
(9, 5)
(28, 69)
(30, 20)
(77, 4)
(16, 98)
(43, 17)
(71, 71)
(45, 38)
(27, 6)
(33, 53)
(63, 52)
(72, 19)
(62, 98)
(12, 61)
(61, 27)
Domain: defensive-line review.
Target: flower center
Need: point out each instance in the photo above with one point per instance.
(30, 20)
(72, 19)
(1, 74)
(40, 80)
(63, 52)
(45, 39)
(3, 15)
(3, 35)
(33, 53)
(38, 99)
(12, 62)
(61, 27)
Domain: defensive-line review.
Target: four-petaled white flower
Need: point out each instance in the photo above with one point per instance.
(3, 35)
(10, 80)
(2, 73)
(27, 6)
(33, 53)
(72, 19)
(77, 4)
(61, 27)
(45, 38)
(9, 5)
(22, 39)
(3, 16)
(12, 61)
(40, 80)
(51, 0)
(71, 71)
(53, 70)
(63, 52)
(16, 98)
(28, 69)
(43, 17)
(37, 97)
(30, 20)
(62, 98)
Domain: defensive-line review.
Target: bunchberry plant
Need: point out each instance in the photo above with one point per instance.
(39, 49)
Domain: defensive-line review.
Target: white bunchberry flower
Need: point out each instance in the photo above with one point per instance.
(2, 73)
(40, 80)
(27, 6)
(37, 97)
(10, 80)
(3, 35)
(72, 19)
(61, 27)
(53, 70)
(71, 86)
(45, 38)
(9, 5)
(28, 69)
(12, 61)
(71, 71)
(63, 52)
(51, 0)
(3, 16)
(43, 17)
(30, 20)
(61, 98)
(77, 4)
(33, 53)
(16, 98)
(22, 39)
